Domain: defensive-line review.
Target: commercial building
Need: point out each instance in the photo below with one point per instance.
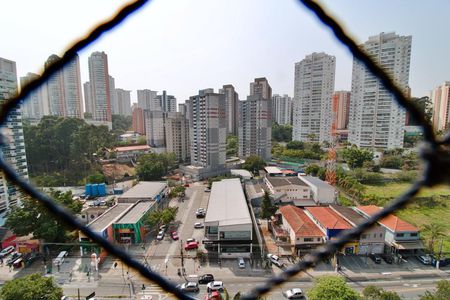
(282, 109)
(376, 120)
(123, 101)
(313, 89)
(177, 136)
(287, 189)
(129, 228)
(228, 225)
(99, 82)
(13, 148)
(401, 237)
(35, 106)
(372, 240)
(154, 128)
(145, 191)
(127, 153)
(440, 97)
(321, 191)
(242, 173)
(232, 108)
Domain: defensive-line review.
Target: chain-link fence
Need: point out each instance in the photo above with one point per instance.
(435, 154)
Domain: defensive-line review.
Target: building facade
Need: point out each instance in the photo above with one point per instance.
(138, 122)
(112, 94)
(99, 80)
(282, 109)
(440, 97)
(154, 128)
(13, 150)
(232, 105)
(166, 103)
(260, 86)
(35, 106)
(177, 135)
(147, 100)
(313, 89)
(376, 120)
(88, 104)
(123, 100)
(341, 109)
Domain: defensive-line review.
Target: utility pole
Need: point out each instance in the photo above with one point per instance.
(78, 294)
(440, 253)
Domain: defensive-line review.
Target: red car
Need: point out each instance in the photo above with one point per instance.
(191, 245)
(186, 185)
(174, 235)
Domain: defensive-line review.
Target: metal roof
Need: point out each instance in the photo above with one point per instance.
(109, 216)
(227, 204)
(133, 215)
(285, 181)
(145, 189)
(317, 182)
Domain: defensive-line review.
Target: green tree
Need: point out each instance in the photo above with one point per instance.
(121, 123)
(177, 191)
(162, 216)
(96, 178)
(281, 133)
(441, 293)
(232, 145)
(372, 292)
(153, 166)
(434, 231)
(425, 105)
(391, 161)
(313, 169)
(331, 287)
(33, 218)
(295, 145)
(31, 287)
(254, 163)
(356, 157)
(267, 208)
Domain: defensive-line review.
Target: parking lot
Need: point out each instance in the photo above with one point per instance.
(363, 264)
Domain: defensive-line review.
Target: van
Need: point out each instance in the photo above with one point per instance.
(60, 258)
(241, 263)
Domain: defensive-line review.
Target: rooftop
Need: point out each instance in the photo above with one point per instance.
(273, 170)
(391, 221)
(300, 223)
(145, 189)
(241, 172)
(132, 148)
(227, 204)
(283, 181)
(317, 182)
(348, 213)
(328, 218)
(133, 215)
(108, 217)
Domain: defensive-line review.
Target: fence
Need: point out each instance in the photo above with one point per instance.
(435, 154)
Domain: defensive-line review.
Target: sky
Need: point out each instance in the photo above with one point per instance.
(183, 46)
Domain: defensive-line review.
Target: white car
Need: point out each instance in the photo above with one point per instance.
(190, 240)
(198, 225)
(275, 260)
(5, 252)
(241, 263)
(425, 259)
(273, 257)
(160, 236)
(294, 294)
(189, 287)
(215, 286)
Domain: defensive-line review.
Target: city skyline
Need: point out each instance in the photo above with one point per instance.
(169, 65)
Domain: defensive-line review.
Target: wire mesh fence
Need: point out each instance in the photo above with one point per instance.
(434, 152)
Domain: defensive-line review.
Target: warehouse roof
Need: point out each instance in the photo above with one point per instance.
(108, 217)
(317, 182)
(227, 204)
(283, 181)
(145, 189)
(133, 215)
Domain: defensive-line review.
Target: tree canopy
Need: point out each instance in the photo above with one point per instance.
(232, 145)
(267, 208)
(331, 287)
(372, 292)
(281, 133)
(154, 166)
(441, 293)
(121, 123)
(163, 216)
(253, 163)
(33, 218)
(355, 157)
(31, 287)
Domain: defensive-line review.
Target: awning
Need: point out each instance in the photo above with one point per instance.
(409, 245)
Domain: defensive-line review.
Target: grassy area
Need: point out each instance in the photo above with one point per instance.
(418, 213)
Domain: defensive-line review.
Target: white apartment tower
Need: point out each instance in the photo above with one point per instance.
(89, 106)
(177, 135)
(167, 103)
(282, 109)
(99, 82)
(313, 89)
(35, 106)
(123, 99)
(13, 150)
(112, 95)
(232, 104)
(154, 128)
(64, 89)
(147, 100)
(207, 129)
(440, 97)
(376, 120)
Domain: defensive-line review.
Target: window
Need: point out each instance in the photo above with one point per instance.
(363, 236)
(400, 235)
(308, 239)
(413, 234)
(318, 239)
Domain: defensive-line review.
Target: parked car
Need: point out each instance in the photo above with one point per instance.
(163, 227)
(207, 190)
(190, 240)
(295, 293)
(198, 225)
(186, 185)
(442, 262)
(189, 287)
(425, 259)
(275, 260)
(214, 295)
(7, 251)
(160, 236)
(214, 286)
(387, 258)
(174, 235)
(200, 213)
(190, 246)
(205, 278)
(241, 263)
(15, 256)
(376, 259)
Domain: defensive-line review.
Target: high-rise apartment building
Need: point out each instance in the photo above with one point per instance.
(88, 104)
(100, 91)
(376, 120)
(440, 97)
(313, 89)
(123, 99)
(261, 87)
(177, 135)
(207, 129)
(64, 89)
(182, 107)
(232, 104)
(167, 103)
(112, 95)
(147, 100)
(154, 127)
(13, 150)
(138, 120)
(341, 109)
(282, 109)
(35, 106)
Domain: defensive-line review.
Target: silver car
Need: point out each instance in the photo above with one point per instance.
(189, 287)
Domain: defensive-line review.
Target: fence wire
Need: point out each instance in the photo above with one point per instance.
(435, 154)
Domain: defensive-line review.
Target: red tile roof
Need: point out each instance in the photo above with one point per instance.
(328, 218)
(391, 221)
(300, 223)
(132, 148)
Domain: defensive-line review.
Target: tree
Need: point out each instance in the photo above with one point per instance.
(232, 145)
(96, 178)
(434, 231)
(31, 287)
(267, 208)
(153, 166)
(121, 123)
(295, 145)
(162, 216)
(33, 218)
(356, 157)
(441, 293)
(372, 292)
(312, 169)
(425, 105)
(254, 163)
(281, 133)
(177, 191)
(331, 287)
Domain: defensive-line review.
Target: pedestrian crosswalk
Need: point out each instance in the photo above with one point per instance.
(151, 291)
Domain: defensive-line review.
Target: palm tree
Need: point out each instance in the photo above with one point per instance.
(434, 231)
